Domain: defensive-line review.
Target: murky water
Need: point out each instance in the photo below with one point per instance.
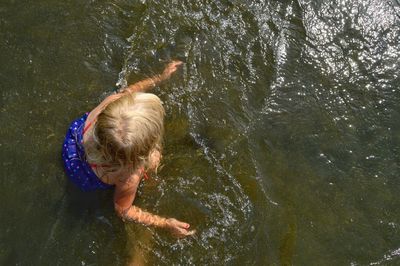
(282, 138)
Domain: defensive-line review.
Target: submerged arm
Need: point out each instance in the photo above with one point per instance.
(141, 86)
(124, 195)
(149, 83)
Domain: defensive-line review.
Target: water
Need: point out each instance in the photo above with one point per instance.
(282, 135)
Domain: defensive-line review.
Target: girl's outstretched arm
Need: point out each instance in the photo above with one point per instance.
(140, 86)
(150, 83)
(125, 192)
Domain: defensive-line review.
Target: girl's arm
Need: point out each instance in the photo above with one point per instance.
(140, 86)
(150, 83)
(125, 192)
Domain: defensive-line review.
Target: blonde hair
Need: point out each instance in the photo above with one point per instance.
(126, 132)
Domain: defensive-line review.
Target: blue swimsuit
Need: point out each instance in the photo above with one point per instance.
(73, 154)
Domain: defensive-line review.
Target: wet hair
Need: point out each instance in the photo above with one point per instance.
(126, 132)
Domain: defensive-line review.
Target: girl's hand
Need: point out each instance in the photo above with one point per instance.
(178, 228)
(170, 69)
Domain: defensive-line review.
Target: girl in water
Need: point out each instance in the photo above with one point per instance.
(117, 143)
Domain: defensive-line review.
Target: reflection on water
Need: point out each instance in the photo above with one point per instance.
(282, 137)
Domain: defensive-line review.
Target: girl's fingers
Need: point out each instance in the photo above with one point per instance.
(183, 232)
(175, 64)
(178, 62)
(190, 233)
(183, 225)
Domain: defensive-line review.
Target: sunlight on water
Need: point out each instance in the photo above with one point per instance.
(282, 135)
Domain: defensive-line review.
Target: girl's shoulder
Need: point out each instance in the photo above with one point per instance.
(122, 178)
(92, 116)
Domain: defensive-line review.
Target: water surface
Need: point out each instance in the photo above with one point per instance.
(282, 135)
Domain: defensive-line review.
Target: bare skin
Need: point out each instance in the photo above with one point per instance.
(126, 184)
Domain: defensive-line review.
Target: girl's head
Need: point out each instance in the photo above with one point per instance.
(127, 131)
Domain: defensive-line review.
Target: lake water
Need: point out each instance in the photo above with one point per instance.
(282, 134)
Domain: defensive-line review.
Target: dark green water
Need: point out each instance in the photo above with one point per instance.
(283, 132)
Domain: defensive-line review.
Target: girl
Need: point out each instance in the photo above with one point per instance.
(116, 143)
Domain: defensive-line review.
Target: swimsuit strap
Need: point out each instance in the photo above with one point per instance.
(93, 165)
(89, 124)
(145, 176)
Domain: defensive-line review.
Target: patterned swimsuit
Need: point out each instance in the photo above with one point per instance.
(73, 155)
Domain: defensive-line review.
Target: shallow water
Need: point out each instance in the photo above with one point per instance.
(282, 135)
